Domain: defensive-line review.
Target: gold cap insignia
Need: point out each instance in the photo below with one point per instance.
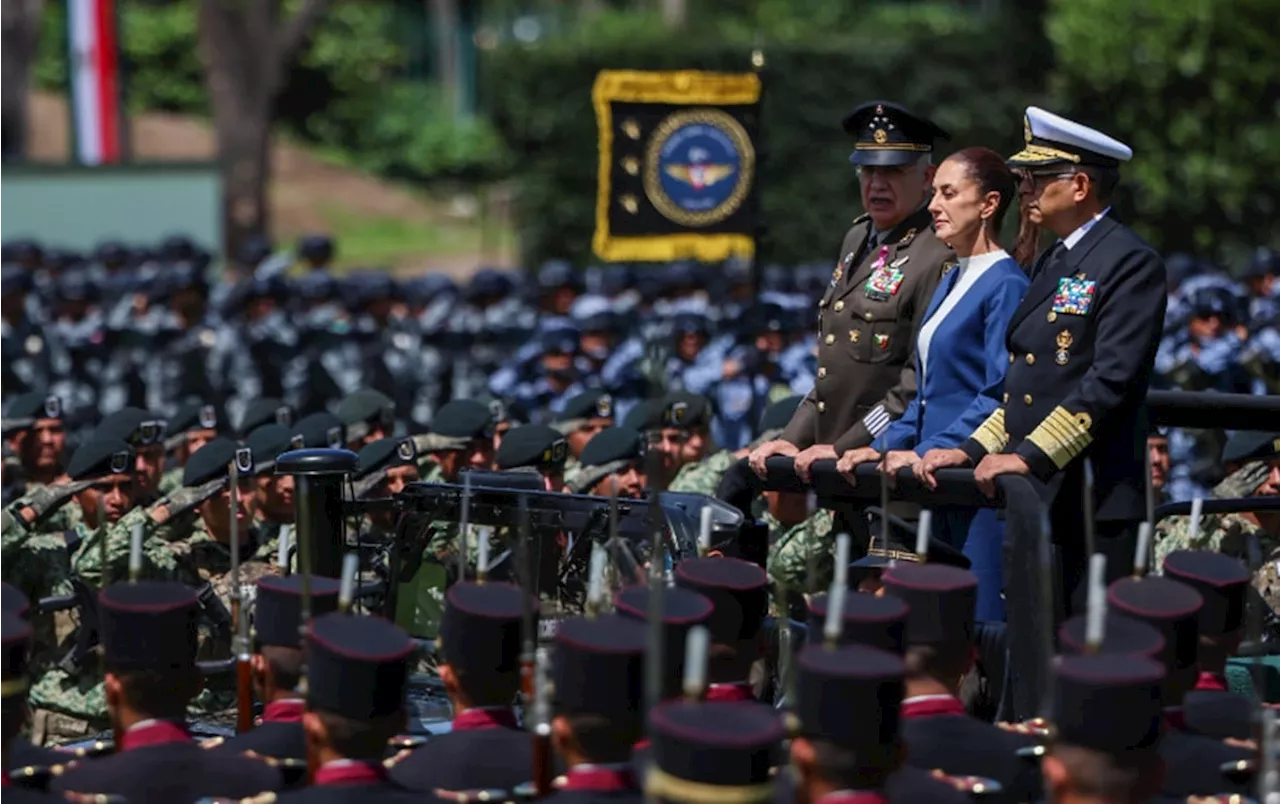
(880, 136)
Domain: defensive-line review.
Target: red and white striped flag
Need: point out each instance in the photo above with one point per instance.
(95, 80)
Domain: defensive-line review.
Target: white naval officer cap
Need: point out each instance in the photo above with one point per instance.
(1054, 140)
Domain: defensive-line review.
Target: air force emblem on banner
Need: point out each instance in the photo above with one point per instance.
(699, 167)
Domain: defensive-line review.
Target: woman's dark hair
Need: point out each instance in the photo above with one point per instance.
(988, 169)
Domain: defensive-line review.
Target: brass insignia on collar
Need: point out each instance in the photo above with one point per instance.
(1080, 275)
(907, 238)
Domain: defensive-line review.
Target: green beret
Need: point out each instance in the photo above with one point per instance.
(213, 460)
(367, 405)
(99, 457)
(321, 429)
(778, 414)
(134, 425)
(645, 416)
(264, 411)
(268, 442)
(463, 418)
(194, 416)
(588, 405)
(686, 411)
(613, 444)
(1243, 447)
(386, 452)
(35, 405)
(532, 445)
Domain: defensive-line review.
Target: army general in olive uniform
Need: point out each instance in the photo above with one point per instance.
(889, 265)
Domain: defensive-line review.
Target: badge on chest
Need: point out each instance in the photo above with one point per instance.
(1075, 295)
(886, 277)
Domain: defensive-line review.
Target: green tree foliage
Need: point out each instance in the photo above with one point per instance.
(540, 100)
(1194, 87)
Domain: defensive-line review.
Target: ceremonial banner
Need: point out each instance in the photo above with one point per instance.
(677, 175)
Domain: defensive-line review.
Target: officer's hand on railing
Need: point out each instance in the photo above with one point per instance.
(895, 460)
(992, 466)
(805, 460)
(766, 451)
(936, 459)
(849, 461)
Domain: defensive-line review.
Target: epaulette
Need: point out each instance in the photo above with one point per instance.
(213, 742)
(466, 796)
(407, 741)
(1036, 727)
(975, 786)
(94, 798)
(96, 749)
(863, 218)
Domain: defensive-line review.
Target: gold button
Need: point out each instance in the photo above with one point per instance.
(822, 371)
(868, 316)
(839, 306)
(1006, 397)
(1027, 399)
(822, 407)
(830, 339)
(1012, 358)
(1031, 359)
(1052, 316)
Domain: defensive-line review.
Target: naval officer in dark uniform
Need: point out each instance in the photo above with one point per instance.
(889, 265)
(1081, 350)
(149, 651)
(277, 669)
(480, 667)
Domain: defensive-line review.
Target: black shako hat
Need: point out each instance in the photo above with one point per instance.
(1169, 606)
(698, 747)
(738, 591)
(832, 682)
(357, 666)
(1108, 703)
(1221, 581)
(888, 134)
(148, 624)
(876, 621)
(599, 666)
(682, 609)
(481, 625)
(277, 607)
(1122, 635)
(941, 601)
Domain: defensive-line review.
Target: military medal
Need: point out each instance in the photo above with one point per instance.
(1074, 296)
(853, 336)
(882, 341)
(1064, 342)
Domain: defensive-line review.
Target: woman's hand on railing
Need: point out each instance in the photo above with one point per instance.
(851, 458)
(936, 459)
(895, 460)
(805, 460)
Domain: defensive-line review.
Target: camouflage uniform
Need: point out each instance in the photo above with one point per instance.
(704, 476)
(170, 481)
(792, 549)
(1267, 580)
(1225, 533)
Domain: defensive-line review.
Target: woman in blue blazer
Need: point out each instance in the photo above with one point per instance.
(960, 351)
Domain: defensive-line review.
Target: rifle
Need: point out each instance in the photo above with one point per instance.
(533, 662)
(240, 641)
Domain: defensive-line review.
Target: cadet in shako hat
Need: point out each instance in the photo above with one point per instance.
(1107, 730)
(368, 415)
(38, 435)
(149, 653)
(277, 666)
(190, 427)
(467, 427)
(538, 447)
(889, 264)
(321, 430)
(682, 609)
(583, 416)
(1123, 635)
(1222, 582)
(877, 621)
(479, 646)
(598, 710)
(739, 593)
(613, 463)
(357, 674)
(712, 752)
(267, 410)
(939, 733)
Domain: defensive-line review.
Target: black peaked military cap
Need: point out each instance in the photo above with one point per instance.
(267, 410)
(357, 666)
(386, 452)
(195, 416)
(463, 418)
(882, 553)
(134, 425)
(613, 444)
(1110, 704)
(99, 457)
(682, 609)
(1243, 447)
(13, 600)
(1123, 635)
(599, 666)
(888, 134)
(878, 621)
(17, 640)
(367, 405)
(647, 415)
(277, 607)
(481, 625)
(35, 405)
(148, 624)
(737, 589)
(941, 601)
(213, 460)
(686, 411)
(832, 682)
(1221, 581)
(533, 445)
(587, 405)
(727, 744)
(321, 430)
(1169, 606)
(268, 442)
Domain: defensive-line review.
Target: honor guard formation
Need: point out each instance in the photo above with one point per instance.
(289, 534)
